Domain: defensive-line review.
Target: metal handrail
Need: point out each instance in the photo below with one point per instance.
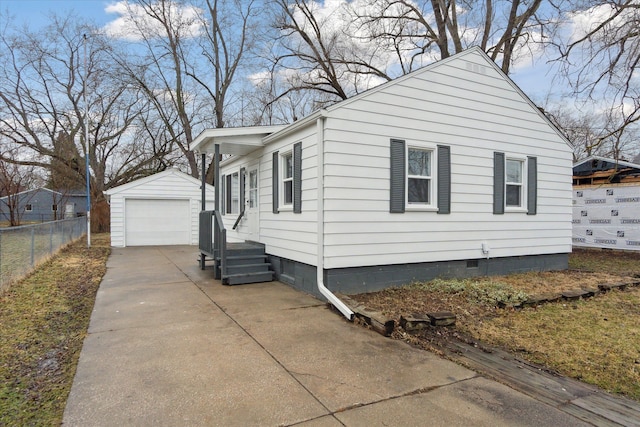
(211, 226)
(220, 244)
(235, 224)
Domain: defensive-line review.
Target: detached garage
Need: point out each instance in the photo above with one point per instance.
(161, 209)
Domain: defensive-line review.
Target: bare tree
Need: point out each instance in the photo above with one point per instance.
(438, 28)
(192, 55)
(593, 133)
(601, 59)
(41, 98)
(337, 49)
(317, 50)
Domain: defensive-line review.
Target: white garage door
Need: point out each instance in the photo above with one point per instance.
(157, 222)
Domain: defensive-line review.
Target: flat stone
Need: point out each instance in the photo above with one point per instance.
(377, 321)
(414, 322)
(576, 294)
(604, 287)
(536, 300)
(442, 318)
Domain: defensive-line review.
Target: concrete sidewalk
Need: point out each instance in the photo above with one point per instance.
(170, 346)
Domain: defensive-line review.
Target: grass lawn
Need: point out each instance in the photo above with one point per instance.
(44, 319)
(596, 340)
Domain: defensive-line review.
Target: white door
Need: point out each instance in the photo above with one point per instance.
(157, 222)
(252, 210)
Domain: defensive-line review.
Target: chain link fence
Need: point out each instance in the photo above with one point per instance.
(22, 248)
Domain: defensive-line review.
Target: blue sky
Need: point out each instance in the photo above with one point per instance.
(534, 81)
(35, 12)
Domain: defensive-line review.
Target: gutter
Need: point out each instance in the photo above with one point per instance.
(334, 300)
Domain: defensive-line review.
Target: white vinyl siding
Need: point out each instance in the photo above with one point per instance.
(463, 104)
(467, 105)
(285, 234)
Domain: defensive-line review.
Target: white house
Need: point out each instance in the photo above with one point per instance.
(161, 209)
(447, 171)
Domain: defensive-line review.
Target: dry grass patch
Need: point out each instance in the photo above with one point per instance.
(44, 319)
(595, 340)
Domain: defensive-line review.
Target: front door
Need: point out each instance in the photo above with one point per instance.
(252, 209)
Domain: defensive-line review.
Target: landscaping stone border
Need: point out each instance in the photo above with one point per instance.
(416, 321)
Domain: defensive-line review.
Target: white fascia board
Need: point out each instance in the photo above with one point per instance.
(252, 136)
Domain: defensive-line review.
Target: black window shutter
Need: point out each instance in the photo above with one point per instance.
(274, 182)
(444, 179)
(222, 183)
(297, 177)
(229, 194)
(398, 176)
(242, 179)
(532, 185)
(498, 183)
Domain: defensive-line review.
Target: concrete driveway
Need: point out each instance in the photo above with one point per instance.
(170, 346)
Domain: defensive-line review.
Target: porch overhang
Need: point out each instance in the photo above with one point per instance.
(236, 141)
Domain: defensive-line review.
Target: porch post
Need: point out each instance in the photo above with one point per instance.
(204, 182)
(217, 232)
(203, 203)
(216, 172)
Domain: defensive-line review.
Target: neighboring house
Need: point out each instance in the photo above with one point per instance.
(606, 204)
(43, 204)
(161, 209)
(447, 171)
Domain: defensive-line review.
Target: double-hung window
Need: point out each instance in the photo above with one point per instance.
(419, 176)
(514, 183)
(287, 179)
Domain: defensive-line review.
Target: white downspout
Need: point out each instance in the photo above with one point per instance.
(342, 307)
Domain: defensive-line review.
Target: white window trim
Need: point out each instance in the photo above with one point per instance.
(523, 185)
(425, 207)
(282, 206)
(28, 207)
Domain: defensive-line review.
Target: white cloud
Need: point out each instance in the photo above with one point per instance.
(134, 22)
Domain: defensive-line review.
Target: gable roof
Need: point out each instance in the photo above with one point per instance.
(151, 178)
(33, 190)
(475, 50)
(207, 138)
